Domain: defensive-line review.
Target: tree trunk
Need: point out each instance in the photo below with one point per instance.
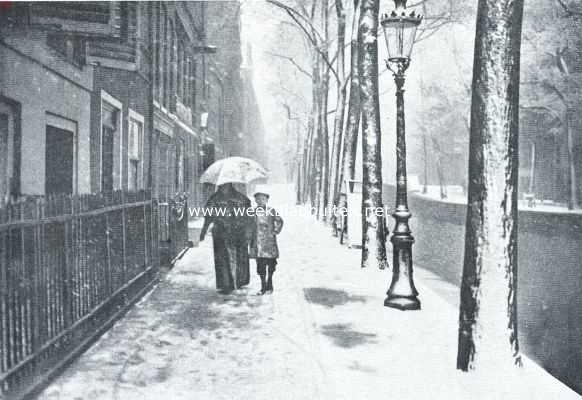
(314, 159)
(311, 172)
(350, 148)
(488, 312)
(324, 143)
(572, 183)
(425, 186)
(325, 168)
(373, 232)
(320, 156)
(298, 163)
(439, 167)
(298, 181)
(532, 168)
(441, 175)
(305, 162)
(340, 108)
(347, 169)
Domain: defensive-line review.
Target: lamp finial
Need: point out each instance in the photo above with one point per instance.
(400, 5)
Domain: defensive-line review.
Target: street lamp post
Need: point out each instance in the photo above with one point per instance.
(399, 32)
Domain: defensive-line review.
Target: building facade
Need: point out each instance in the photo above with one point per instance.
(45, 92)
(177, 41)
(105, 96)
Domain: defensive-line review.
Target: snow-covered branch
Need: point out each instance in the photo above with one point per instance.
(306, 26)
(570, 10)
(292, 61)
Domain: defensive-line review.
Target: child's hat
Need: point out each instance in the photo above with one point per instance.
(261, 190)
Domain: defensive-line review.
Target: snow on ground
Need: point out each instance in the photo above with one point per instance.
(323, 334)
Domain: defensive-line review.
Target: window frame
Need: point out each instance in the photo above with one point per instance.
(137, 117)
(118, 105)
(180, 178)
(8, 172)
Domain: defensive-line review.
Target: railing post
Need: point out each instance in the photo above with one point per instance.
(3, 300)
(109, 277)
(67, 287)
(21, 290)
(155, 231)
(145, 233)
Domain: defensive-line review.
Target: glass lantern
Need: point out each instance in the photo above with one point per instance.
(400, 31)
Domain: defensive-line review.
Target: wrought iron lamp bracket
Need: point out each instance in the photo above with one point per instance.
(398, 66)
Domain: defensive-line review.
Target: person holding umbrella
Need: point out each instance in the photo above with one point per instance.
(227, 212)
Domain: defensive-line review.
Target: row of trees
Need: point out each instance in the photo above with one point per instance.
(345, 71)
(488, 320)
(552, 77)
(550, 85)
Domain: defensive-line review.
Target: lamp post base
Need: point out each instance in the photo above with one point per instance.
(402, 294)
(402, 303)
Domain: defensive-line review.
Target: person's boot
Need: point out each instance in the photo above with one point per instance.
(263, 286)
(270, 284)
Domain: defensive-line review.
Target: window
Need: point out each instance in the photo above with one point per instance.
(164, 59)
(71, 48)
(135, 151)
(171, 171)
(157, 51)
(188, 75)
(124, 16)
(111, 167)
(180, 166)
(7, 124)
(93, 12)
(173, 66)
(108, 133)
(180, 75)
(162, 170)
(193, 86)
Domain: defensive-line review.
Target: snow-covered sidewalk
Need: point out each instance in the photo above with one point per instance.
(323, 334)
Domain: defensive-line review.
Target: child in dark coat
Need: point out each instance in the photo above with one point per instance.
(263, 245)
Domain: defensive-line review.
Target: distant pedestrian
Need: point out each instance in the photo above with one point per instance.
(227, 212)
(263, 245)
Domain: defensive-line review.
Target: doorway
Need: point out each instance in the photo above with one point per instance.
(59, 160)
(107, 145)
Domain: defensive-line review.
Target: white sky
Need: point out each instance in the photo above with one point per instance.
(431, 60)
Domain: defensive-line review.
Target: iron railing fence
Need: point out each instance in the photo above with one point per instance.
(69, 266)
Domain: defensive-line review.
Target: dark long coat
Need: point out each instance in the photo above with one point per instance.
(230, 239)
(267, 225)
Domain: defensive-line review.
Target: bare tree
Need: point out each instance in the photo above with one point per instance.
(374, 226)
(347, 168)
(324, 166)
(316, 157)
(488, 312)
(548, 82)
(571, 8)
(340, 106)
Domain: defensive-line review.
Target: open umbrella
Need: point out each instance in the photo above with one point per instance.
(233, 170)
